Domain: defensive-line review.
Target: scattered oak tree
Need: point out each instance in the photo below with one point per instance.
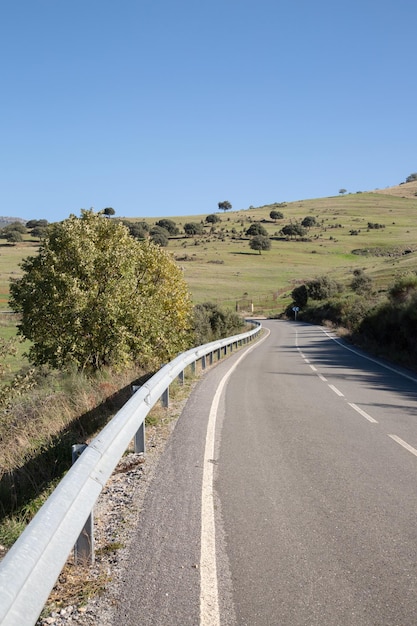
(193, 228)
(94, 296)
(256, 229)
(276, 215)
(260, 243)
(213, 219)
(224, 206)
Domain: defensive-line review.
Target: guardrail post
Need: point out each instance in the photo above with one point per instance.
(219, 354)
(181, 377)
(203, 362)
(211, 358)
(165, 398)
(84, 547)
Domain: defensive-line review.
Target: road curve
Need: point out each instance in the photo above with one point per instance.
(313, 495)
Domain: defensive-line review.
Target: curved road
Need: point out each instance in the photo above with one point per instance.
(286, 495)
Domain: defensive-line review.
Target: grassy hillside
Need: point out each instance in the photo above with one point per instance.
(219, 266)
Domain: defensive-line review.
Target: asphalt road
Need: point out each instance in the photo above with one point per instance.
(313, 498)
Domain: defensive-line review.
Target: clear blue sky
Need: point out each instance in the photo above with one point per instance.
(164, 108)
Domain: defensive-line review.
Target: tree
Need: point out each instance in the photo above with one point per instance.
(411, 178)
(260, 243)
(159, 236)
(193, 228)
(300, 296)
(93, 296)
(138, 230)
(256, 229)
(14, 236)
(169, 225)
(224, 206)
(342, 191)
(108, 212)
(276, 215)
(309, 221)
(293, 230)
(213, 219)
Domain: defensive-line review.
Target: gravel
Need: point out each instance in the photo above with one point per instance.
(116, 514)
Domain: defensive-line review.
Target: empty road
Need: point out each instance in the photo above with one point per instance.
(286, 495)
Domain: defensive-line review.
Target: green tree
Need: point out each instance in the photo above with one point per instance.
(138, 230)
(276, 215)
(300, 296)
(224, 206)
(193, 228)
(411, 178)
(108, 211)
(213, 219)
(159, 236)
(293, 230)
(169, 225)
(260, 243)
(342, 191)
(94, 296)
(256, 229)
(309, 221)
(14, 236)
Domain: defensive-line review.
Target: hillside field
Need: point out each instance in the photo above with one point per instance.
(219, 265)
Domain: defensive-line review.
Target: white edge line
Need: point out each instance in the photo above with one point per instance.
(404, 444)
(336, 390)
(369, 358)
(363, 413)
(209, 600)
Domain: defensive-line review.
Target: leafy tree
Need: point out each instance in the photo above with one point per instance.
(14, 236)
(109, 211)
(342, 191)
(94, 296)
(260, 243)
(159, 236)
(309, 221)
(300, 296)
(224, 206)
(138, 230)
(36, 223)
(18, 227)
(169, 225)
(213, 219)
(39, 232)
(293, 230)
(322, 288)
(411, 178)
(193, 228)
(256, 229)
(276, 215)
(211, 322)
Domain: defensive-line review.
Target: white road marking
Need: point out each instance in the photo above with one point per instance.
(313, 368)
(404, 444)
(209, 600)
(369, 358)
(336, 390)
(322, 378)
(361, 412)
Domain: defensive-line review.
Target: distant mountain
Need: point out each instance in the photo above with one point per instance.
(9, 220)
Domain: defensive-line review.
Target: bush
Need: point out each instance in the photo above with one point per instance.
(256, 229)
(211, 323)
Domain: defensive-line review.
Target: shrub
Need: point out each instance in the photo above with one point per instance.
(211, 323)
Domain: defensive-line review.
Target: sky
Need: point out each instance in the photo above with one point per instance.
(165, 108)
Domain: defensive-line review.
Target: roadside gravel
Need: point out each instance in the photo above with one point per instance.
(116, 514)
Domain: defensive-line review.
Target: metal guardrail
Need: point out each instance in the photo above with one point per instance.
(30, 569)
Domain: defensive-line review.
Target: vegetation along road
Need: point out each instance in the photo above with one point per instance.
(286, 495)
